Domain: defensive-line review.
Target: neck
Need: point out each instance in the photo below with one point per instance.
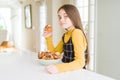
(69, 28)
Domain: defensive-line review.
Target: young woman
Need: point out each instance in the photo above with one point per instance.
(73, 43)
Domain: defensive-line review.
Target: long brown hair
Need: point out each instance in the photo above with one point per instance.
(74, 16)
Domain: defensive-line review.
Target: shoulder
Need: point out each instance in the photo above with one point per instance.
(77, 32)
(78, 36)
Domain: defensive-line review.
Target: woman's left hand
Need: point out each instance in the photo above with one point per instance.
(52, 69)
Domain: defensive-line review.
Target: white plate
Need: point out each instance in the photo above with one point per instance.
(49, 62)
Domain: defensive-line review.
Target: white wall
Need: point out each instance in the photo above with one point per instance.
(108, 38)
(57, 30)
(29, 37)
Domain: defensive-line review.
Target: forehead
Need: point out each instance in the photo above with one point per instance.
(61, 12)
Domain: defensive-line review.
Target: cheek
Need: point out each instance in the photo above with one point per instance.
(69, 23)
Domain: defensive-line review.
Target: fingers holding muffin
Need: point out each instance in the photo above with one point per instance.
(47, 31)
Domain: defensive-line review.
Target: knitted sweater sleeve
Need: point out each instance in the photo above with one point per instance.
(50, 46)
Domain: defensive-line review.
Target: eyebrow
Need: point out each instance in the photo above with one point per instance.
(63, 14)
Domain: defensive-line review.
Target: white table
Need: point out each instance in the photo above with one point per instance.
(24, 66)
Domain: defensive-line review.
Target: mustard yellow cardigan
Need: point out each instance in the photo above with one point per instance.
(80, 45)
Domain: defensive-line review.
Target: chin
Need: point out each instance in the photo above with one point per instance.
(64, 27)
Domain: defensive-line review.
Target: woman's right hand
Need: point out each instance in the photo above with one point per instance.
(47, 31)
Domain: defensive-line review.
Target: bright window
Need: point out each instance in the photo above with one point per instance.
(5, 18)
(86, 9)
(42, 18)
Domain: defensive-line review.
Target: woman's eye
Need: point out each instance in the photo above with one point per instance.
(59, 17)
(63, 16)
